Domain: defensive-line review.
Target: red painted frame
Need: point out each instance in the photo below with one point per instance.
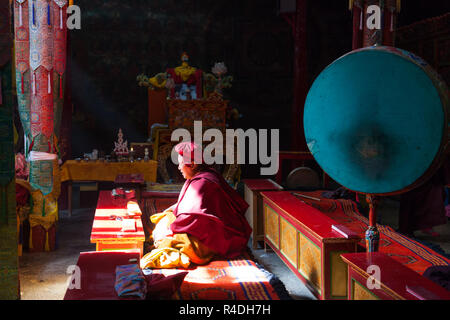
(256, 186)
(316, 227)
(394, 278)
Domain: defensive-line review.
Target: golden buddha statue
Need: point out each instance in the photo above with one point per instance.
(185, 71)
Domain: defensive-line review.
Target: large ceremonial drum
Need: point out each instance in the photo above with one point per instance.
(376, 120)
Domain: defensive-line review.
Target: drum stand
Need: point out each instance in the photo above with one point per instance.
(372, 233)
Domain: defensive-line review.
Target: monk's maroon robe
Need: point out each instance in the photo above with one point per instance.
(209, 209)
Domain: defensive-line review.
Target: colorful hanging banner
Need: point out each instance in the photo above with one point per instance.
(22, 58)
(59, 62)
(41, 42)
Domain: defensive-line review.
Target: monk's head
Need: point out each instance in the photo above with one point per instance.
(190, 159)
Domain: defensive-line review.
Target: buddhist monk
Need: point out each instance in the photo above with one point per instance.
(207, 221)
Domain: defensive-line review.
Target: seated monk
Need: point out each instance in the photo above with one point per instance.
(207, 221)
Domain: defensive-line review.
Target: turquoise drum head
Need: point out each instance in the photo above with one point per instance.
(376, 120)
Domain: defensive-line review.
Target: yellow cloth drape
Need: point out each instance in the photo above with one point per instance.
(44, 205)
(176, 251)
(44, 213)
(44, 210)
(48, 205)
(185, 71)
(106, 171)
(56, 180)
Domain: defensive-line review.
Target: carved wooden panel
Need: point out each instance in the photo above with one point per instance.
(361, 293)
(211, 111)
(310, 264)
(288, 243)
(339, 274)
(271, 222)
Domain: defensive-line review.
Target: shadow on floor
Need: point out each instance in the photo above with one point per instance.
(43, 274)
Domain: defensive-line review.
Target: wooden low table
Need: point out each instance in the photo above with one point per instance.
(97, 271)
(110, 217)
(394, 281)
(303, 237)
(254, 213)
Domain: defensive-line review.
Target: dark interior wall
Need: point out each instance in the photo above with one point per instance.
(120, 39)
(417, 10)
(429, 38)
(329, 34)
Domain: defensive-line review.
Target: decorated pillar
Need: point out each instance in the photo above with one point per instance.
(358, 23)
(9, 276)
(297, 20)
(391, 10)
(364, 35)
(40, 50)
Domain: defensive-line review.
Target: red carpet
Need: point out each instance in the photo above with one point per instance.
(235, 279)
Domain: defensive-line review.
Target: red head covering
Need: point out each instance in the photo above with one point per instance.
(190, 151)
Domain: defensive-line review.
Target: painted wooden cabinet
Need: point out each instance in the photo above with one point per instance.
(254, 213)
(304, 239)
(376, 276)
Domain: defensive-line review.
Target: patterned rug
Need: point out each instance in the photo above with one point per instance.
(235, 279)
(407, 251)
